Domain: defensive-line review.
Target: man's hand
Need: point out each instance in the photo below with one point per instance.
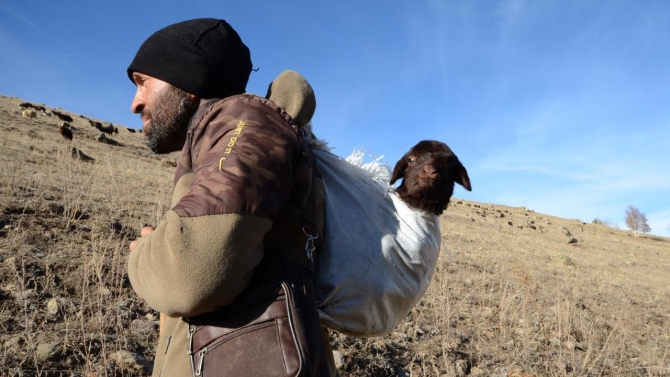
(144, 232)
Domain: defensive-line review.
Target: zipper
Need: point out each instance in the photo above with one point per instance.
(291, 320)
(202, 353)
(191, 330)
(167, 346)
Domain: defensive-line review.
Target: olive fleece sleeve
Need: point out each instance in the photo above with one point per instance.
(193, 265)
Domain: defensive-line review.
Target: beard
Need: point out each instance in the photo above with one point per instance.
(169, 119)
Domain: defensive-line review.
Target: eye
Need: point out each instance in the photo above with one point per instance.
(411, 160)
(140, 80)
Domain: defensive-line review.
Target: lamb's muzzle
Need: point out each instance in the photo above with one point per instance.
(429, 171)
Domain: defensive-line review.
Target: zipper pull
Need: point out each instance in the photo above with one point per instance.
(202, 353)
(189, 351)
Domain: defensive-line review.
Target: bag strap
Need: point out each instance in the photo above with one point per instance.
(310, 227)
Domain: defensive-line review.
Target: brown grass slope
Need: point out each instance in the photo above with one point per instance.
(507, 300)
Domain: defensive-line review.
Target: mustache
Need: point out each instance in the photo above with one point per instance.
(145, 114)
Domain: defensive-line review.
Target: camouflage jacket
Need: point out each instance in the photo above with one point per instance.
(239, 191)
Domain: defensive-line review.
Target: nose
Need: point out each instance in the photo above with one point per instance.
(137, 105)
(429, 171)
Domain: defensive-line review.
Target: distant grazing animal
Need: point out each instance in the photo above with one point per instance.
(429, 171)
(61, 116)
(131, 130)
(28, 105)
(76, 153)
(66, 132)
(108, 130)
(29, 113)
(104, 139)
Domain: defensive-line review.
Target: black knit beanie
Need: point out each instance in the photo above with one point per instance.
(205, 57)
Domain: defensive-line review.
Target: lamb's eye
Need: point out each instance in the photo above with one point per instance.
(411, 160)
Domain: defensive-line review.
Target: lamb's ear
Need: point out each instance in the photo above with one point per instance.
(399, 170)
(462, 176)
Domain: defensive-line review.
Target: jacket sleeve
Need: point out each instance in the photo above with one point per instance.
(203, 253)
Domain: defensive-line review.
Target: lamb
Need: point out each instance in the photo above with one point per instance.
(428, 171)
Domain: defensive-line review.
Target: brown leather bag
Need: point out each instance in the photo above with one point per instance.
(271, 329)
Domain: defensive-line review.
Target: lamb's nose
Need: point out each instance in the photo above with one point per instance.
(429, 171)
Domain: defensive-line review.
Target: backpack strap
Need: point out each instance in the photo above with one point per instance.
(310, 227)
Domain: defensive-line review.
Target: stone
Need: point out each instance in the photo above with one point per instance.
(48, 352)
(476, 372)
(141, 325)
(52, 306)
(130, 361)
(461, 367)
(339, 359)
(13, 342)
(104, 291)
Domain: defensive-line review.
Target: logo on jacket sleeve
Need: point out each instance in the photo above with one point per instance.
(231, 143)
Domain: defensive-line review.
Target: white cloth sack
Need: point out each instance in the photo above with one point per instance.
(379, 254)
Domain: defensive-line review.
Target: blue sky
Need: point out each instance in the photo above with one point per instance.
(559, 106)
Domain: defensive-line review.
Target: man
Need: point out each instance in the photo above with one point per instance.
(237, 187)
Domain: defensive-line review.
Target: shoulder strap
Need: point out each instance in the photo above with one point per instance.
(310, 227)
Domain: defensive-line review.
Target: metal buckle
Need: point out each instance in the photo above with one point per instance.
(310, 247)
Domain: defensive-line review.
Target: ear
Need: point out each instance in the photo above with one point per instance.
(399, 170)
(462, 176)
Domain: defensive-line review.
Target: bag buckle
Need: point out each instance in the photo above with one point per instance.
(310, 247)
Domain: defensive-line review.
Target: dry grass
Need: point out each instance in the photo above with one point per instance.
(506, 301)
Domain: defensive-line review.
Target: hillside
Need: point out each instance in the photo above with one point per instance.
(512, 297)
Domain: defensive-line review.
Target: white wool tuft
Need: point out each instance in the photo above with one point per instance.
(378, 170)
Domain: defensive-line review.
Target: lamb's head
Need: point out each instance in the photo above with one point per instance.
(429, 171)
